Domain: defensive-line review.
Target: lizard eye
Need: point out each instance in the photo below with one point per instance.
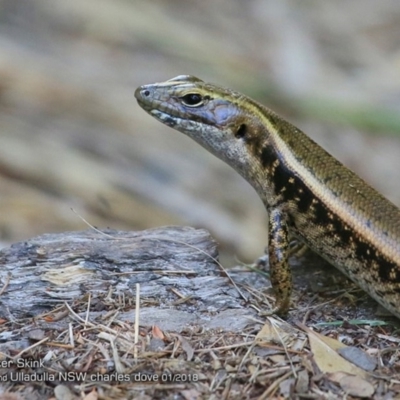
(192, 100)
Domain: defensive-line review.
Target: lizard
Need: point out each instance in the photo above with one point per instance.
(308, 193)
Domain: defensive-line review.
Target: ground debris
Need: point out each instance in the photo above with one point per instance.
(181, 328)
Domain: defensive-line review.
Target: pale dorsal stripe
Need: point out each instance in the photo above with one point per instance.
(386, 245)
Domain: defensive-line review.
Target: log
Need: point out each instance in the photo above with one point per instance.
(180, 280)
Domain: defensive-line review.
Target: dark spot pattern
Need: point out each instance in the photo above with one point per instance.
(267, 156)
(253, 139)
(338, 227)
(387, 273)
(306, 199)
(169, 121)
(362, 250)
(241, 132)
(291, 189)
(277, 232)
(281, 181)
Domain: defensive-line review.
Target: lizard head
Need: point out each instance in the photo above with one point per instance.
(224, 122)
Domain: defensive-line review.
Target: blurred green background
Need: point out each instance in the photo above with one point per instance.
(72, 135)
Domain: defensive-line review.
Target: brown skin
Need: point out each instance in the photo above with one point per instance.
(308, 193)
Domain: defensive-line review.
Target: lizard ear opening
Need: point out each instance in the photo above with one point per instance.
(241, 132)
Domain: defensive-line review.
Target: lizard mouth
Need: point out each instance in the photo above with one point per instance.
(185, 125)
(174, 121)
(165, 118)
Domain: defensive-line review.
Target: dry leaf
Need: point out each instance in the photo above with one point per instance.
(57, 316)
(359, 358)
(279, 359)
(62, 392)
(286, 388)
(36, 334)
(356, 386)
(157, 332)
(332, 343)
(187, 347)
(276, 332)
(191, 394)
(93, 395)
(353, 385)
(302, 381)
(9, 396)
(327, 358)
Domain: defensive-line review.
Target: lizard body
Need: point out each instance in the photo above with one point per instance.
(307, 192)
